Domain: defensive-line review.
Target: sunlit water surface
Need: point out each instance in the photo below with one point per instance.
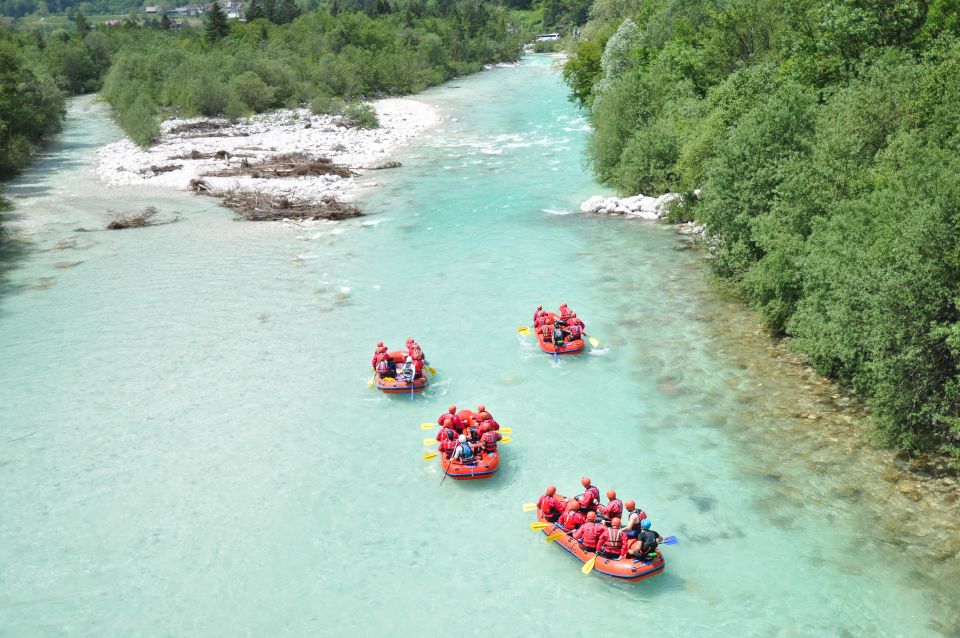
(188, 445)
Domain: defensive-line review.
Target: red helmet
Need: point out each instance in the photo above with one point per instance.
(551, 490)
(447, 419)
(539, 307)
(410, 340)
(630, 505)
(379, 344)
(452, 409)
(573, 314)
(573, 505)
(585, 481)
(611, 495)
(615, 522)
(481, 408)
(591, 516)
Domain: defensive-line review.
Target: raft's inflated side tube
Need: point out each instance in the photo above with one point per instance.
(569, 347)
(628, 569)
(398, 386)
(482, 469)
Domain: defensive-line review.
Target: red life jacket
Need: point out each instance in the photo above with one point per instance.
(590, 499)
(574, 330)
(590, 533)
(382, 366)
(548, 506)
(572, 519)
(489, 440)
(447, 446)
(613, 509)
(416, 352)
(612, 540)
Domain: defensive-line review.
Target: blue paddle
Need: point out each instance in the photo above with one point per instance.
(670, 540)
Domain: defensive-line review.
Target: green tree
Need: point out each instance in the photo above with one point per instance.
(254, 11)
(217, 26)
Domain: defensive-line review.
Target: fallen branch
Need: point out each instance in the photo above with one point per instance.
(144, 218)
(287, 165)
(157, 170)
(257, 206)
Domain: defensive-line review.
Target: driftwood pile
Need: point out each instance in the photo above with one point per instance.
(260, 207)
(286, 165)
(157, 170)
(197, 155)
(205, 128)
(146, 217)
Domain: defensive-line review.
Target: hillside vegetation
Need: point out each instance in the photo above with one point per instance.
(825, 137)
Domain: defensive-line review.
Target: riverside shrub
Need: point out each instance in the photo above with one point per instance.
(826, 140)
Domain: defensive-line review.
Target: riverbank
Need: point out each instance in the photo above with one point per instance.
(197, 148)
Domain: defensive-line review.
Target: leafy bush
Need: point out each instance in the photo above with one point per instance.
(361, 114)
(326, 105)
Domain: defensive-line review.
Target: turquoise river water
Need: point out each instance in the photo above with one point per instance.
(188, 446)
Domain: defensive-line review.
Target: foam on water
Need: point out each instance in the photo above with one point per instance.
(189, 446)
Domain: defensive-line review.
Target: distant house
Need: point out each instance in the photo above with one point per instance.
(233, 14)
(151, 9)
(111, 23)
(548, 37)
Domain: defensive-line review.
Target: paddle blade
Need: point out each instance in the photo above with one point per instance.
(529, 507)
(428, 426)
(538, 525)
(670, 540)
(594, 342)
(506, 439)
(505, 430)
(524, 330)
(432, 369)
(588, 566)
(429, 441)
(372, 379)
(554, 537)
(429, 455)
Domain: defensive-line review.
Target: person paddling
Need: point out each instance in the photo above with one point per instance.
(613, 508)
(590, 498)
(451, 415)
(611, 543)
(408, 371)
(646, 543)
(463, 453)
(589, 533)
(549, 505)
(572, 518)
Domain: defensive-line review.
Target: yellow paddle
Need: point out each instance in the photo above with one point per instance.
(524, 330)
(593, 341)
(429, 455)
(429, 441)
(428, 426)
(505, 430)
(554, 537)
(588, 566)
(432, 369)
(529, 507)
(506, 439)
(538, 525)
(372, 379)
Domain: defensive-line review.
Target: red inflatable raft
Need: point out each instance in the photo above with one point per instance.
(391, 385)
(481, 469)
(568, 347)
(628, 569)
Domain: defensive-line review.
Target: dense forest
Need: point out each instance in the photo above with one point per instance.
(823, 140)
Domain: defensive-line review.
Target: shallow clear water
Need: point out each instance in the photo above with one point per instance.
(188, 445)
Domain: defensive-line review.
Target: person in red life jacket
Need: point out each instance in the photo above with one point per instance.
(614, 506)
(589, 533)
(415, 351)
(489, 441)
(455, 422)
(446, 433)
(590, 498)
(571, 519)
(549, 505)
(376, 353)
(546, 331)
(612, 542)
(385, 366)
(417, 368)
(574, 332)
(487, 426)
(573, 319)
(635, 517)
(539, 317)
(448, 443)
(564, 311)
